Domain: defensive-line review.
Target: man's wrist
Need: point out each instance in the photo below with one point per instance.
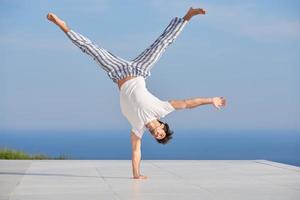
(211, 100)
(136, 174)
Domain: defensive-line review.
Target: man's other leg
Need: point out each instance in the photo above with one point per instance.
(151, 55)
(104, 58)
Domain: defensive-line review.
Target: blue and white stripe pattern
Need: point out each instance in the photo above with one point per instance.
(118, 68)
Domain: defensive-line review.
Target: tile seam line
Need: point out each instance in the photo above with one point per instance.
(25, 172)
(184, 180)
(116, 197)
(176, 175)
(260, 162)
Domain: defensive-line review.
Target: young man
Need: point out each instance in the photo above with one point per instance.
(138, 105)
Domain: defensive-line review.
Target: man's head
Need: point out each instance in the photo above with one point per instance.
(162, 133)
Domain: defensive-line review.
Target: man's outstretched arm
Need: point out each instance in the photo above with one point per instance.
(218, 102)
(136, 156)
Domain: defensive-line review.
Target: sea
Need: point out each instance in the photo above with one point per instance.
(275, 145)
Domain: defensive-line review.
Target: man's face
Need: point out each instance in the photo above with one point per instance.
(159, 132)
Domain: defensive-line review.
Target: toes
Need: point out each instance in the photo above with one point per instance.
(199, 11)
(50, 16)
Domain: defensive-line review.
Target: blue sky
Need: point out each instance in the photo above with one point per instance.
(246, 51)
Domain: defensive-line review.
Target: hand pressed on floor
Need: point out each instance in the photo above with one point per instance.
(140, 177)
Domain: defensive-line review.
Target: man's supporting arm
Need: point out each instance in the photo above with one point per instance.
(136, 156)
(195, 102)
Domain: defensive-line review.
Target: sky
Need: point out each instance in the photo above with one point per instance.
(246, 51)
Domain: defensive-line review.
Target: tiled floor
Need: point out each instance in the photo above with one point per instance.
(168, 179)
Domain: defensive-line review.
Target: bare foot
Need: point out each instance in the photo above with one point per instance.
(197, 11)
(52, 17)
(56, 20)
(194, 11)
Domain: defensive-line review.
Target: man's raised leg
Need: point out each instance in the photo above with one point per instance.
(148, 57)
(104, 58)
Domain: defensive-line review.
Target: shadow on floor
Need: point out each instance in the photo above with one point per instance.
(64, 175)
